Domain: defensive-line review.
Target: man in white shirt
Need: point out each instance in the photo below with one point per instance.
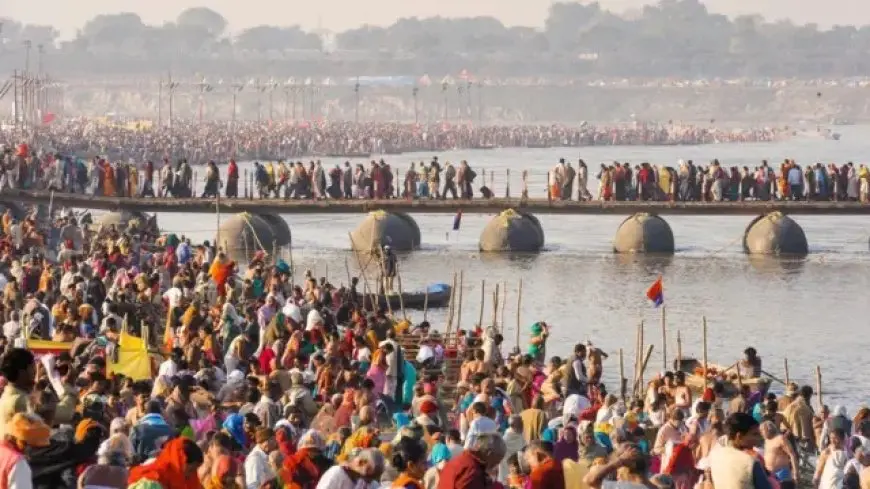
(174, 295)
(257, 467)
(426, 354)
(480, 424)
(169, 368)
(12, 328)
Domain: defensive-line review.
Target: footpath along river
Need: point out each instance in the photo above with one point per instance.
(814, 311)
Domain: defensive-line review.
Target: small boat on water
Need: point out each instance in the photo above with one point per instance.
(348, 155)
(538, 145)
(728, 376)
(438, 297)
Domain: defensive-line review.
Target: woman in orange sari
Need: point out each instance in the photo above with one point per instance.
(782, 181)
(220, 271)
(108, 180)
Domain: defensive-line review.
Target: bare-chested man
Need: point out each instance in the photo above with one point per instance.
(594, 358)
(780, 458)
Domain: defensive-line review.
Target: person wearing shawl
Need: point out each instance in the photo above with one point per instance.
(234, 425)
(324, 422)
(174, 468)
(366, 436)
(23, 431)
(284, 437)
(223, 474)
(303, 469)
(438, 458)
(568, 446)
(220, 270)
(681, 464)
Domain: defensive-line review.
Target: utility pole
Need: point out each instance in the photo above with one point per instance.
(15, 104)
(480, 103)
(171, 86)
(259, 89)
(468, 94)
(40, 84)
(444, 93)
(414, 92)
(25, 96)
(160, 101)
(356, 94)
(236, 88)
(271, 97)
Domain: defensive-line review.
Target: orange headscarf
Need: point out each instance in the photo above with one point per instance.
(168, 469)
(83, 427)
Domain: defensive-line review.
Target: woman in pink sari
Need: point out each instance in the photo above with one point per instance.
(378, 371)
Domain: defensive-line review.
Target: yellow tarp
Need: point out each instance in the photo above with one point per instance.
(133, 360)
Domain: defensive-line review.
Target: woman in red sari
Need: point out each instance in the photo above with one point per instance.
(303, 469)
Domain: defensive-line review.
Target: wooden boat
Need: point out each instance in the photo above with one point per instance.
(348, 155)
(439, 297)
(538, 145)
(694, 370)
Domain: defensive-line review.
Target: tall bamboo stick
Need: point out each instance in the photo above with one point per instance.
(519, 310)
(495, 299)
(664, 341)
(459, 309)
(705, 351)
(482, 302)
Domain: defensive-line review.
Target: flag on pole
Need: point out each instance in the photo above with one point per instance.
(656, 292)
(457, 220)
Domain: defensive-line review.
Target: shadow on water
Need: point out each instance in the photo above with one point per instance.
(776, 265)
(523, 261)
(642, 262)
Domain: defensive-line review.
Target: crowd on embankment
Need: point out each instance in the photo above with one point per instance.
(199, 142)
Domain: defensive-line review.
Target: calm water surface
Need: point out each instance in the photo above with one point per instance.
(813, 311)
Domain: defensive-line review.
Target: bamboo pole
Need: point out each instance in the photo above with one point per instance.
(459, 308)
(503, 307)
(495, 299)
(519, 309)
(452, 307)
(426, 304)
(642, 345)
(637, 348)
(401, 298)
(705, 351)
(787, 376)
(362, 271)
(664, 341)
(482, 302)
(347, 269)
(638, 387)
(819, 386)
(679, 351)
(622, 384)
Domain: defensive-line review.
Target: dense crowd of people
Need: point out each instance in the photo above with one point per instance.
(248, 140)
(264, 379)
(21, 168)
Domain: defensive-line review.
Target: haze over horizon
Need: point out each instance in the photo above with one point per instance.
(337, 15)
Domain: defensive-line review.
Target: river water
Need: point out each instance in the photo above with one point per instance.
(813, 311)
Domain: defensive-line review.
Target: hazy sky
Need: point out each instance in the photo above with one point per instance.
(69, 15)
